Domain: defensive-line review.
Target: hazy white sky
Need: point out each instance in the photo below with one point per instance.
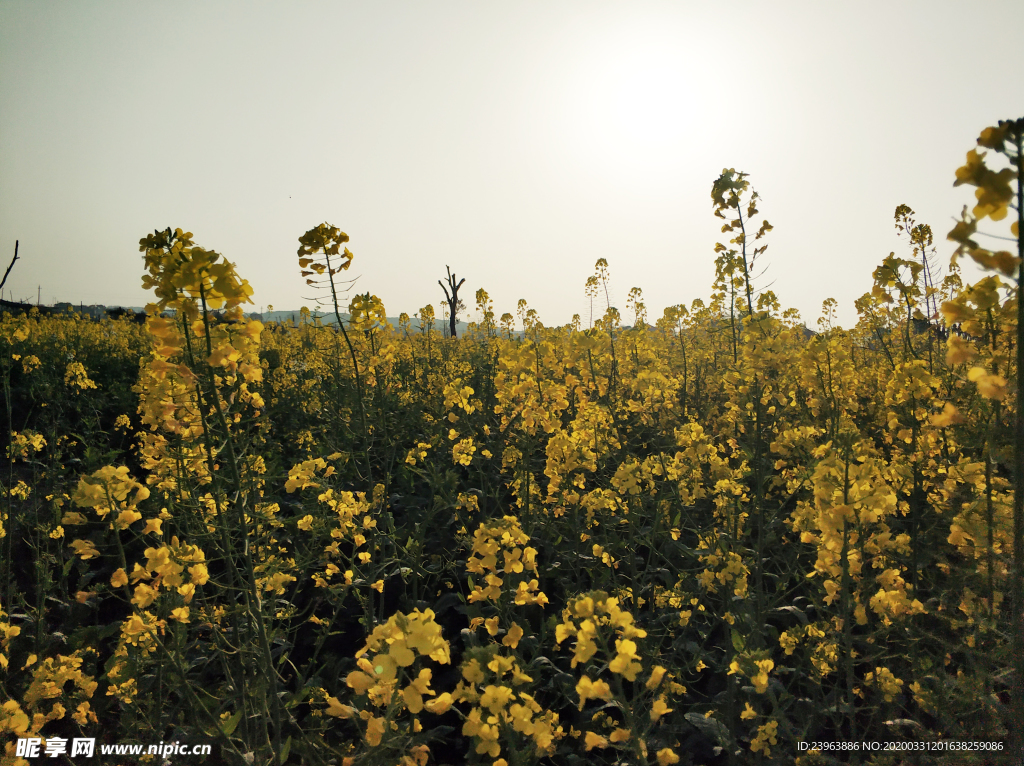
(516, 142)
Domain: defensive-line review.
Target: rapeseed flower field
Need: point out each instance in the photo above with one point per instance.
(710, 539)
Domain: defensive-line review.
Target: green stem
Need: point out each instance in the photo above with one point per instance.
(355, 362)
(253, 602)
(847, 611)
(1017, 631)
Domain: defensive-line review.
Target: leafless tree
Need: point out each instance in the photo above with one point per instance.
(454, 304)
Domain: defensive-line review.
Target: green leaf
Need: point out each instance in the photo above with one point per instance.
(285, 750)
(93, 635)
(711, 728)
(797, 612)
(229, 726)
(737, 641)
(446, 602)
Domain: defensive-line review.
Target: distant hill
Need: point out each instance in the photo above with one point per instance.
(93, 311)
(98, 311)
(327, 319)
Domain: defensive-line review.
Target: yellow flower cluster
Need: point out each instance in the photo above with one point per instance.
(722, 567)
(390, 650)
(77, 378)
(417, 453)
(107, 491)
(165, 567)
(754, 668)
(181, 392)
(458, 396)
(180, 272)
(588, 619)
(506, 538)
(766, 736)
(848, 523)
(22, 444)
(888, 684)
(301, 476)
(825, 653)
(462, 452)
(7, 633)
(20, 491)
(367, 311)
(499, 707)
(49, 689)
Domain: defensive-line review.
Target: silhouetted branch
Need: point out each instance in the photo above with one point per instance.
(4, 281)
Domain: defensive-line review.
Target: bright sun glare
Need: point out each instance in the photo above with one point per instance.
(631, 108)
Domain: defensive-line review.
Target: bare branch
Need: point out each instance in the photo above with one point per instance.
(4, 281)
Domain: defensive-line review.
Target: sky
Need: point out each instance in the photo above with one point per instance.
(515, 142)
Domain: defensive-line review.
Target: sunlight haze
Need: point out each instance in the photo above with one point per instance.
(516, 143)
